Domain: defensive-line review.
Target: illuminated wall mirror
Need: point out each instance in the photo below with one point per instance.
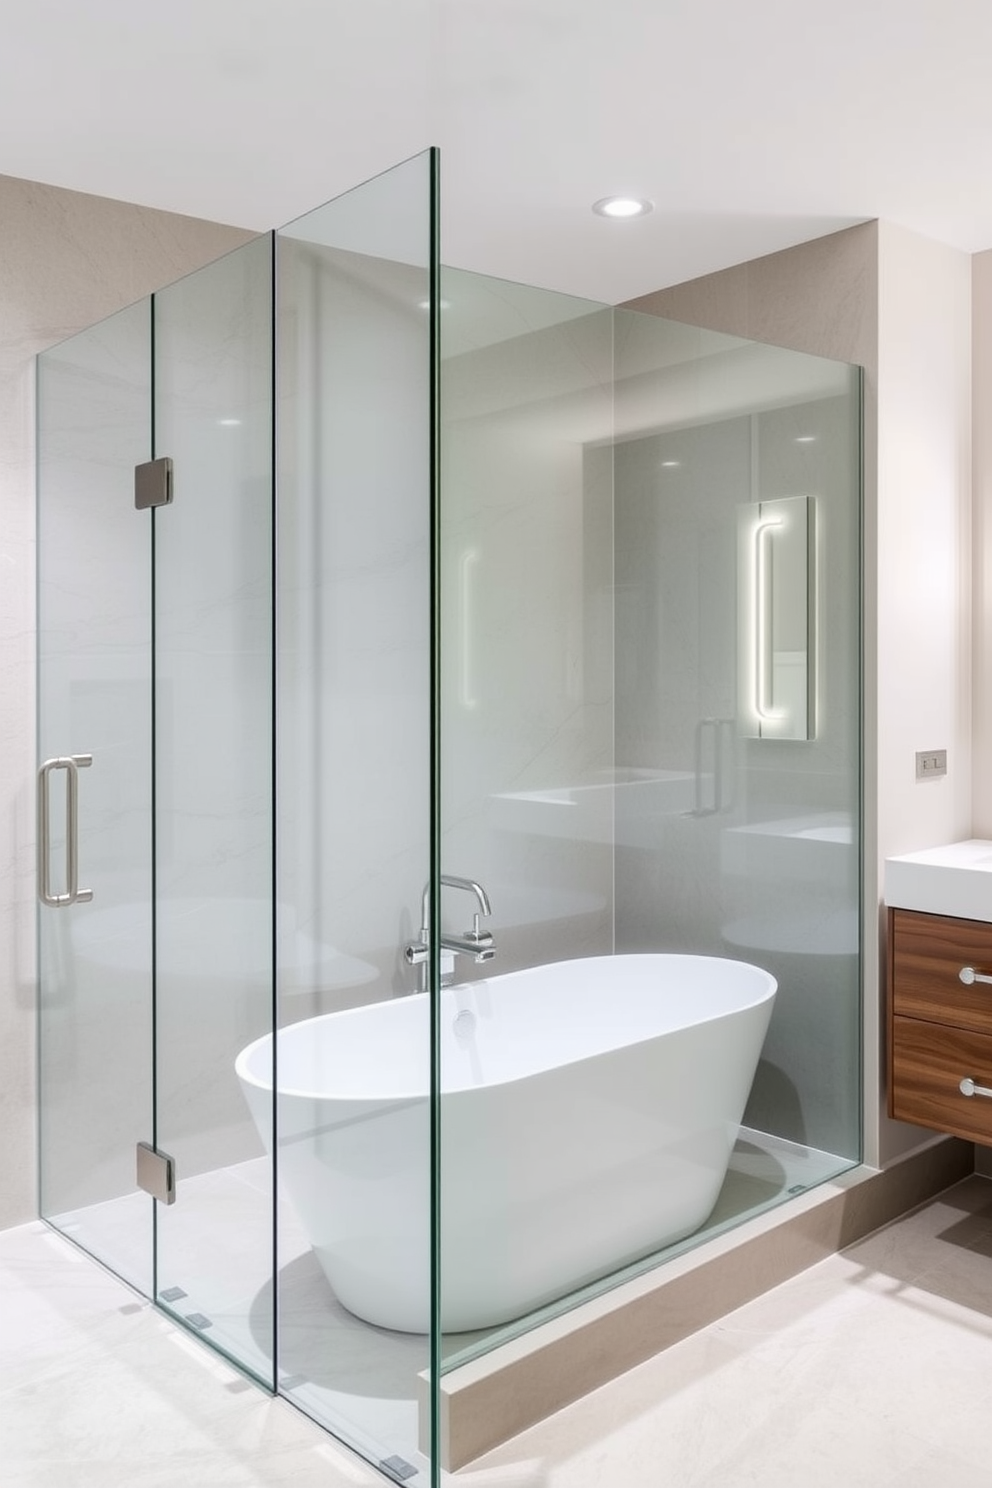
(776, 629)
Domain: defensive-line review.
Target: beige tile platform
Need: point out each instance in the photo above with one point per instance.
(506, 1391)
(872, 1367)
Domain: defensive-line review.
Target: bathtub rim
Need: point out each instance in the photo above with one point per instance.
(762, 978)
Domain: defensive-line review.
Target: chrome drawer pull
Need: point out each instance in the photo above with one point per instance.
(968, 1087)
(968, 974)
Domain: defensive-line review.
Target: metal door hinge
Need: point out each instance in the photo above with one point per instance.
(156, 1173)
(153, 483)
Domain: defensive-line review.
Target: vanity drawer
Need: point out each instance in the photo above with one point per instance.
(928, 953)
(928, 1065)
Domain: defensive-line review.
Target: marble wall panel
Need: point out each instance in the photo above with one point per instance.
(353, 624)
(527, 622)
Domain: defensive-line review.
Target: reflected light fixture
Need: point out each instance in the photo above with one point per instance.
(777, 618)
(622, 206)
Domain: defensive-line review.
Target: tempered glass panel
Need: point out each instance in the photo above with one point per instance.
(94, 687)
(354, 829)
(600, 644)
(527, 779)
(765, 865)
(213, 806)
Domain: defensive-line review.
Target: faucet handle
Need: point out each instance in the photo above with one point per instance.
(480, 942)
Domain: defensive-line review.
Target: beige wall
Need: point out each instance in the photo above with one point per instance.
(924, 536)
(66, 260)
(982, 566)
(922, 578)
(899, 305)
(981, 364)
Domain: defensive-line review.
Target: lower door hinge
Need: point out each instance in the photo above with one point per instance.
(156, 1173)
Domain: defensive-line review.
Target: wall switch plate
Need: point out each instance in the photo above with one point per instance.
(930, 763)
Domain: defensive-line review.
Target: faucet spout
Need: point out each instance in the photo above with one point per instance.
(453, 882)
(477, 943)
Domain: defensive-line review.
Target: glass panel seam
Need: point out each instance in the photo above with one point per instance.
(153, 725)
(434, 918)
(273, 786)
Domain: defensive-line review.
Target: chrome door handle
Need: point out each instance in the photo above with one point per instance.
(968, 1087)
(703, 728)
(72, 764)
(968, 974)
(722, 730)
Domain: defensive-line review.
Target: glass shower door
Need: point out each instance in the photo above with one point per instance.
(95, 791)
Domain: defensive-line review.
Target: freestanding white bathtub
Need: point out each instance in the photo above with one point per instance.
(588, 1113)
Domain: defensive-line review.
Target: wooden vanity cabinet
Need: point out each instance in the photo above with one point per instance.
(940, 1027)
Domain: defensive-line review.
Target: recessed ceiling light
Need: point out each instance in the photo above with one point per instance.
(622, 206)
(805, 438)
(670, 464)
(229, 423)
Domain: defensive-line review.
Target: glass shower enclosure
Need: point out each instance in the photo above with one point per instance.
(401, 627)
(208, 875)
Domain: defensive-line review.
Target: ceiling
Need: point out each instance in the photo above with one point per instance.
(751, 124)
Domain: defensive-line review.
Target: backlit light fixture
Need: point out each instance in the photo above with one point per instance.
(622, 206)
(776, 582)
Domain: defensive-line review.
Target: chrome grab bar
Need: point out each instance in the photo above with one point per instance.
(968, 1086)
(71, 764)
(968, 974)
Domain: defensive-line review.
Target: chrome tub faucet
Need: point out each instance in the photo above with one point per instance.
(477, 943)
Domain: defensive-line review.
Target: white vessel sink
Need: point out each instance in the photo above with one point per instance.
(951, 880)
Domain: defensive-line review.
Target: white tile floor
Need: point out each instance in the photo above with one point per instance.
(873, 1368)
(360, 1382)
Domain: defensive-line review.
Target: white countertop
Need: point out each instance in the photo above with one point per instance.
(951, 880)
